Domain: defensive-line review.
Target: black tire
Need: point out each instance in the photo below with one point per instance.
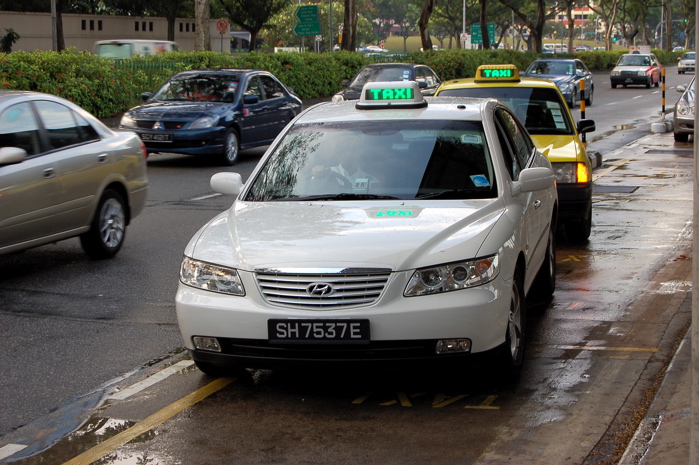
(231, 148)
(510, 355)
(108, 227)
(545, 282)
(681, 136)
(657, 83)
(573, 100)
(578, 231)
(649, 83)
(588, 100)
(613, 86)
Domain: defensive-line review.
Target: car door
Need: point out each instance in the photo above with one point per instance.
(29, 190)
(256, 120)
(518, 151)
(584, 74)
(277, 105)
(83, 162)
(657, 68)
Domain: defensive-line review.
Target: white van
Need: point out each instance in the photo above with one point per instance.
(129, 48)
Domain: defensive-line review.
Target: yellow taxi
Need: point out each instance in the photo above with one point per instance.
(542, 108)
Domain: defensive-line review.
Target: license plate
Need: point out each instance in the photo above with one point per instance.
(318, 331)
(156, 137)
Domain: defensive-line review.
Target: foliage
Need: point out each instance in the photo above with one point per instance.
(8, 40)
(106, 87)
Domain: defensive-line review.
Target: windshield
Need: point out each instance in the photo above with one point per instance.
(376, 73)
(552, 68)
(199, 88)
(390, 160)
(541, 110)
(634, 60)
(688, 56)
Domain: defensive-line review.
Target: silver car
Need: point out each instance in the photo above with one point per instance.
(65, 174)
(687, 62)
(684, 113)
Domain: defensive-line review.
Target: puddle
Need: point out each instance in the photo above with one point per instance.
(623, 127)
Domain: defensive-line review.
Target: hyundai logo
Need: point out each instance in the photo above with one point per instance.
(320, 289)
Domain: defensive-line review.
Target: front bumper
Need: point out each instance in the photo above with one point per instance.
(631, 80)
(574, 201)
(401, 329)
(683, 125)
(189, 142)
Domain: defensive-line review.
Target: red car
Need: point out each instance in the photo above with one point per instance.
(637, 69)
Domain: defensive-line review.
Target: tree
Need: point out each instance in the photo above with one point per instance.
(423, 22)
(252, 15)
(8, 40)
(608, 11)
(202, 14)
(349, 27)
(533, 16)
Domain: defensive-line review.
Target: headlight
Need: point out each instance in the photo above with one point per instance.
(210, 277)
(683, 108)
(566, 87)
(204, 122)
(127, 121)
(337, 98)
(570, 173)
(452, 276)
(615, 72)
(644, 73)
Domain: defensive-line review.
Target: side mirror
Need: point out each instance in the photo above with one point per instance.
(12, 155)
(422, 85)
(345, 82)
(586, 125)
(227, 183)
(146, 95)
(681, 88)
(250, 99)
(536, 179)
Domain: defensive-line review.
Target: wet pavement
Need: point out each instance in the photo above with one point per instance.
(595, 377)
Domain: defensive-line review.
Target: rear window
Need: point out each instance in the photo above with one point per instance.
(115, 50)
(541, 110)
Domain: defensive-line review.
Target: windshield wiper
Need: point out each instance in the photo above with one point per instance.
(457, 194)
(346, 196)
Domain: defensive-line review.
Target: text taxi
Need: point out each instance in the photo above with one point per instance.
(395, 229)
(542, 108)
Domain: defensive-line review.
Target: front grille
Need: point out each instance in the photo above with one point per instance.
(147, 124)
(343, 289)
(629, 73)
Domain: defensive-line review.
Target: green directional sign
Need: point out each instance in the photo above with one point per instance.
(477, 34)
(307, 29)
(307, 13)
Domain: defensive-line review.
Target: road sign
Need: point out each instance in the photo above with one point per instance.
(308, 24)
(222, 25)
(307, 29)
(477, 35)
(307, 13)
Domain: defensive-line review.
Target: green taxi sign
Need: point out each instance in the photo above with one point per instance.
(503, 73)
(405, 94)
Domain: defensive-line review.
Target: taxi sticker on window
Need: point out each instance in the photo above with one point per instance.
(471, 139)
(480, 180)
(558, 118)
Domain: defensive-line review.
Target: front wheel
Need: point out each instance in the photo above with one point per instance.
(613, 86)
(511, 354)
(573, 100)
(681, 136)
(588, 100)
(108, 227)
(231, 148)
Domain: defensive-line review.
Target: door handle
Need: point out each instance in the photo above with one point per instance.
(537, 204)
(102, 157)
(48, 172)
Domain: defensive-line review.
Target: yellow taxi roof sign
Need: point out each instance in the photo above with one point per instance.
(497, 73)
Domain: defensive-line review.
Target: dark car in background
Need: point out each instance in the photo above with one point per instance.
(213, 112)
(426, 78)
(64, 174)
(683, 125)
(568, 74)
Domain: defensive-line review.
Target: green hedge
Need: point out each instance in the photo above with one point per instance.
(105, 87)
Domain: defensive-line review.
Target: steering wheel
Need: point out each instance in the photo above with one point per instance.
(331, 181)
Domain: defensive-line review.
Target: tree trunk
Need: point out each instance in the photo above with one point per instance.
(202, 38)
(60, 40)
(484, 24)
(349, 29)
(423, 24)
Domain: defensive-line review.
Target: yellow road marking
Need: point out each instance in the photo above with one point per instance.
(485, 405)
(439, 401)
(610, 169)
(112, 444)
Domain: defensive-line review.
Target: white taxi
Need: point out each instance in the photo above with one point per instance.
(395, 229)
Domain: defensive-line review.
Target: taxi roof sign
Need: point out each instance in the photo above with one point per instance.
(385, 94)
(497, 73)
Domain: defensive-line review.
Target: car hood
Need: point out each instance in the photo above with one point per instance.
(558, 148)
(178, 110)
(392, 235)
(557, 78)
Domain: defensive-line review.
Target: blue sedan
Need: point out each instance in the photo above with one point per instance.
(568, 74)
(213, 112)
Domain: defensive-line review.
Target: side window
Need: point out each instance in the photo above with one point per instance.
(63, 126)
(253, 88)
(19, 128)
(272, 88)
(517, 146)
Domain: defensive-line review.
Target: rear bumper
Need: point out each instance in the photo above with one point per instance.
(574, 201)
